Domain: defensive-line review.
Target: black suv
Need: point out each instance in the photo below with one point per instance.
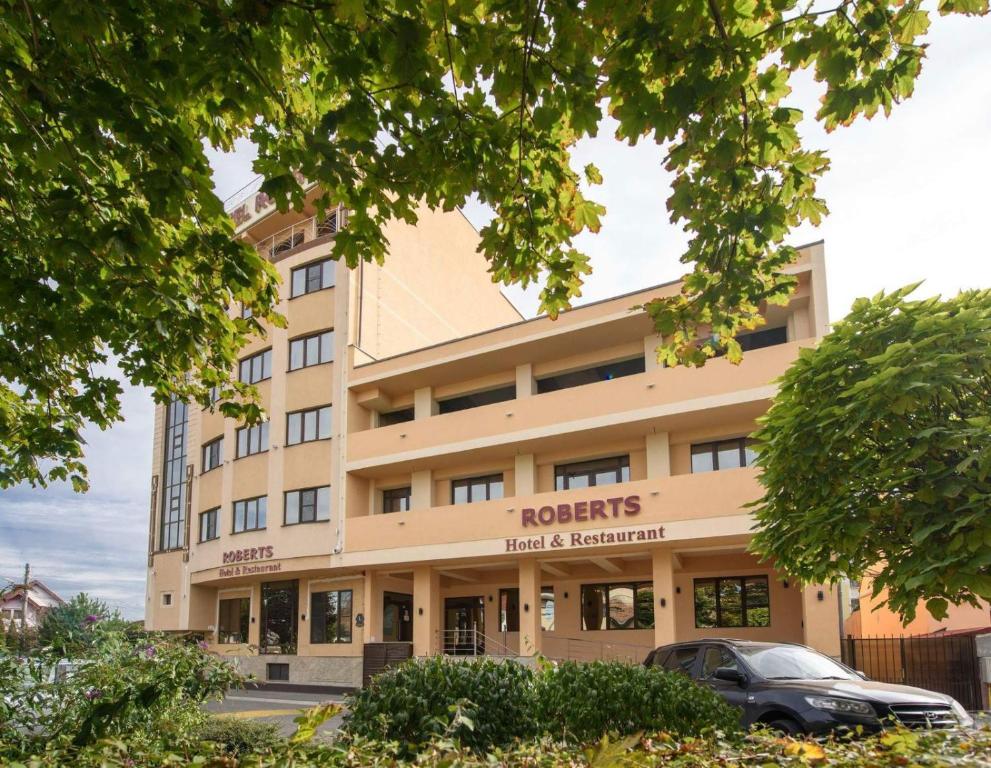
(794, 689)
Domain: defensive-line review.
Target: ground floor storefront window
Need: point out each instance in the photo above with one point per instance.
(280, 609)
(618, 606)
(509, 609)
(330, 616)
(735, 601)
(232, 626)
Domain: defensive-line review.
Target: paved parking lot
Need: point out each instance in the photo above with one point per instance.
(279, 707)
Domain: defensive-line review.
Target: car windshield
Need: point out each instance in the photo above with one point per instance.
(787, 662)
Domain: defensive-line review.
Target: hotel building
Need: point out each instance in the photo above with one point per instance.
(439, 475)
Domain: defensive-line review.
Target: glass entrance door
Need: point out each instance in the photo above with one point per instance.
(464, 625)
(397, 617)
(280, 608)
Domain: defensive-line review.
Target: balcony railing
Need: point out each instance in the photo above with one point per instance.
(301, 232)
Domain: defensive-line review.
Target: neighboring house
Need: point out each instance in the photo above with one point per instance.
(867, 620)
(41, 599)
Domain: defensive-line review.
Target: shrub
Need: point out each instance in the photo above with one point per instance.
(239, 737)
(482, 703)
(582, 701)
(73, 629)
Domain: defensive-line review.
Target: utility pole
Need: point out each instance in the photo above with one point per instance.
(24, 610)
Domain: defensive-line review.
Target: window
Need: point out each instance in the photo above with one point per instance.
(309, 505)
(682, 659)
(472, 489)
(245, 311)
(396, 417)
(714, 658)
(249, 514)
(256, 368)
(767, 337)
(166, 599)
(723, 454)
(605, 372)
(304, 426)
(172, 529)
(214, 395)
(311, 350)
(277, 672)
(397, 499)
(509, 609)
(208, 524)
(489, 396)
(251, 440)
(213, 454)
(618, 606)
(330, 617)
(312, 277)
(279, 617)
(585, 474)
(232, 626)
(738, 601)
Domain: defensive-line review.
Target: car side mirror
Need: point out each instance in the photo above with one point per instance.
(730, 675)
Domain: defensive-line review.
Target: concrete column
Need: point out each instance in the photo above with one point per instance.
(664, 614)
(372, 608)
(526, 475)
(255, 622)
(658, 455)
(427, 619)
(526, 385)
(821, 618)
(650, 345)
(422, 490)
(424, 405)
(529, 578)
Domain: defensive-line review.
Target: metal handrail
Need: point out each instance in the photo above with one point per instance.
(471, 642)
(301, 232)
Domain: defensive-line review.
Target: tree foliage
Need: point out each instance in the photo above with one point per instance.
(876, 454)
(73, 629)
(115, 245)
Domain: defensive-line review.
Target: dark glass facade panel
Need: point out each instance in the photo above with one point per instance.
(585, 474)
(723, 454)
(605, 372)
(234, 618)
(280, 609)
(476, 399)
(737, 601)
(308, 505)
(397, 499)
(396, 417)
(172, 527)
(472, 489)
(330, 617)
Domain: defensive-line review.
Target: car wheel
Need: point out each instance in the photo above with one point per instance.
(785, 727)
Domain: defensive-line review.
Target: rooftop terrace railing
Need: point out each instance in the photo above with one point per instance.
(301, 232)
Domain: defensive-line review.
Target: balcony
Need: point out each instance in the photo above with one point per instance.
(662, 398)
(709, 505)
(295, 235)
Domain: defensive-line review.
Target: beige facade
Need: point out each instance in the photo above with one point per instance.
(554, 488)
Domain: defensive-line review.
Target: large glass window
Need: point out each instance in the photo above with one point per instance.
(767, 337)
(604, 372)
(618, 606)
(400, 416)
(172, 528)
(280, 606)
(308, 505)
(397, 499)
(251, 440)
(509, 609)
(476, 399)
(330, 617)
(585, 474)
(250, 514)
(256, 368)
(213, 454)
(723, 454)
(209, 521)
(312, 277)
(472, 489)
(311, 350)
(232, 626)
(737, 601)
(304, 426)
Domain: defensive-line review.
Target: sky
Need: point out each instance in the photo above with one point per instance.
(909, 199)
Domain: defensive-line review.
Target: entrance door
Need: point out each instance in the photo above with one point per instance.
(464, 626)
(280, 607)
(397, 617)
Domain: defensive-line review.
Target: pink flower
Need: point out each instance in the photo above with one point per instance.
(150, 651)
(92, 693)
(203, 645)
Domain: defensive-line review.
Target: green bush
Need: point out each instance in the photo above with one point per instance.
(482, 703)
(239, 737)
(582, 701)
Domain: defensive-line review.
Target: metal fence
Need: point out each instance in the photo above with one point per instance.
(944, 663)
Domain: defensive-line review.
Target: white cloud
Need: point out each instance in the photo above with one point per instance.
(908, 199)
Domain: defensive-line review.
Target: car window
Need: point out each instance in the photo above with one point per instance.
(659, 657)
(714, 658)
(681, 660)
